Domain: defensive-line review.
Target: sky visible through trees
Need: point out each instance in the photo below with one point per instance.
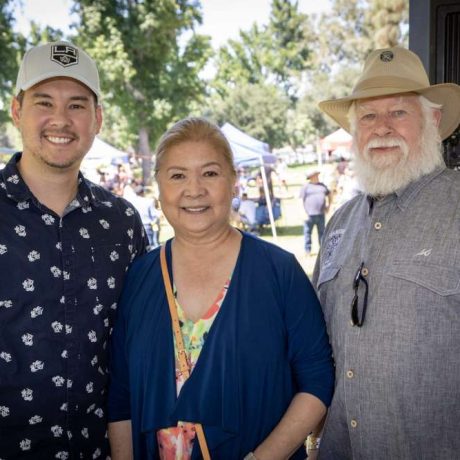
(154, 60)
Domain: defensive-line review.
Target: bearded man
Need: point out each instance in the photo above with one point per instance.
(388, 273)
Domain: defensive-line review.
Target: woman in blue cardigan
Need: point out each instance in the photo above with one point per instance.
(254, 335)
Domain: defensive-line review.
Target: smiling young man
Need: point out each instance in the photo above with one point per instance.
(388, 271)
(65, 245)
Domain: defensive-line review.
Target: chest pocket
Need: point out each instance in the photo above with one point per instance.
(439, 279)
(327, 274)
(326, 298)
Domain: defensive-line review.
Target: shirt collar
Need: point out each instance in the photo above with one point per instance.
(17, 189)
(405, 195)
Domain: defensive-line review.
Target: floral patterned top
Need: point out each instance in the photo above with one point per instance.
(176, 443)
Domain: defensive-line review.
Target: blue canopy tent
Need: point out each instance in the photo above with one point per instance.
(248, 151)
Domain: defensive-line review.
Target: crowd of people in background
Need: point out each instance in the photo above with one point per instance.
(122, 182)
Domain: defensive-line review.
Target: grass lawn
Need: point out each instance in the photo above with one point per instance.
(289, 227)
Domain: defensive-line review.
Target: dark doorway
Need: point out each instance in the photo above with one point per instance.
(434, 34)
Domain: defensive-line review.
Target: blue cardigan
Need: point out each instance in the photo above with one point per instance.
(267, 343)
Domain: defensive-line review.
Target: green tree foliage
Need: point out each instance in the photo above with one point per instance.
(289, 34)
(387, 17)
(346, 35)
(45, 34)
(323, 86)
(276, 53)
(258, 109)
(10, 46)
(149, 60)
(241, 62)
(258, 75)
(354, 28)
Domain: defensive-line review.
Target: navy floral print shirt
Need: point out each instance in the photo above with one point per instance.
(60, 280)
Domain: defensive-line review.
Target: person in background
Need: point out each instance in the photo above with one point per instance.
(315, 198)
(347, 187)
(269, 170)
(254, 336)
(282, 174)
(342, 166)
(388, 270)
(121, 180)
(148, 212)
(247, 212)
(65, 246)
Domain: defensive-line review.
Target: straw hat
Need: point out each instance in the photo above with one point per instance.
(396, 71)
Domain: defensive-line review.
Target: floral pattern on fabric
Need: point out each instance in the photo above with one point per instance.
(61, 280)
(176, 443)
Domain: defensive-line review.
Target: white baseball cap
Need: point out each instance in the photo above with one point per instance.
(57, 59)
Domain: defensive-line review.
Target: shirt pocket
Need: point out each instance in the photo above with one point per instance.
(440, 279)
(327, 294)
(424, 303)
(327, 274)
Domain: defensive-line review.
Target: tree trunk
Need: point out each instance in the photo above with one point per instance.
(146, 155)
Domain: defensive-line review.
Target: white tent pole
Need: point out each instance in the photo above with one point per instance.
(319, 153)
(268, 199)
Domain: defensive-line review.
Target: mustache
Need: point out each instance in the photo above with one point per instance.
(387, 142)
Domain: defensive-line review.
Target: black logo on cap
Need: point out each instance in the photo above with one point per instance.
(386, 56)
(64, 55)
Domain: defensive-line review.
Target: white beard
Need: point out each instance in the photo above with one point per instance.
(384, 174)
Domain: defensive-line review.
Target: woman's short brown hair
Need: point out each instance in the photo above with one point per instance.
(194, 129)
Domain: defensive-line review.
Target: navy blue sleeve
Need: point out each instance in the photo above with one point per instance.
(309, 350)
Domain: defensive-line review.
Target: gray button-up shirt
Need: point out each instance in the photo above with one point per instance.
(398, 376)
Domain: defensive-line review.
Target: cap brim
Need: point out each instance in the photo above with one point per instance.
(446, 94)
(47, 76)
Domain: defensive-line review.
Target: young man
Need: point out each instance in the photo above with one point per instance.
(65, 246)
(388, 270)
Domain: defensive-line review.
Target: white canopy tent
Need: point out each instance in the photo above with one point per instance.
(105, 153)
(248, 150)
(102, 154)
(337, 140)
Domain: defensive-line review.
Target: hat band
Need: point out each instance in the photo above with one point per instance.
(404, 84)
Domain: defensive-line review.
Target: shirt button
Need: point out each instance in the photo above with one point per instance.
(378, 225)
(364, 271)
(350, 374)
(354, 423)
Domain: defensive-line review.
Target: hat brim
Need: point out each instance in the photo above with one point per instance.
(61, 74)
(446, 94)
